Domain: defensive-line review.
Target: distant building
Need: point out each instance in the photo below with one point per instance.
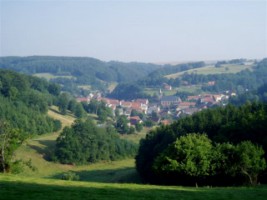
(135, 120)
(186, 104)
(153, 108)
(83, 99)
(165, 122)
(169, 100)
(167, 87)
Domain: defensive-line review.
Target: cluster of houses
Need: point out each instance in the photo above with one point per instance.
(163, 111)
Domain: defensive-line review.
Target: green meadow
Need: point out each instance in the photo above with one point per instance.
(18, 187)
(211, 69)
(49, 76)
(103, 180)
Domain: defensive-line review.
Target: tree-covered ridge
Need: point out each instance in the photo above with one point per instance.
(24, 102)
(230, 124)
(85, 143)
(83, 70)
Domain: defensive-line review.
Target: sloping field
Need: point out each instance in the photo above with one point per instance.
(17, 187)
(49, 76)
(210, 69)
(40, 150)
(103, 180)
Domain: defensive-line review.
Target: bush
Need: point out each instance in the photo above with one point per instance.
(70, 176)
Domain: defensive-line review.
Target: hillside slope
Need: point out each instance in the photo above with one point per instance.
(78, 70)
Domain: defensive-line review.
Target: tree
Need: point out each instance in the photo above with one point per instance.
(251, 160)
(138, 127)
(189, 155)
(79, 111)
(10, 140)
(122, 124)
(83, 143)
(63, 102)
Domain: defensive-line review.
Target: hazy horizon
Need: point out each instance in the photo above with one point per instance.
(142, 31)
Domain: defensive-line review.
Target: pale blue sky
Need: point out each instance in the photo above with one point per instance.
(148, 31)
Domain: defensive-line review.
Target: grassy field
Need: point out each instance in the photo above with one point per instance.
(210, 69)
(194, 89)
(49, 76)
(40, 149)
(103, 180)
(28, 188)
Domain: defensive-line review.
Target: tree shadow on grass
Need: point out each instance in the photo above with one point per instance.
(74, 191)
(70, 191)
(44, 148)
(120, 175)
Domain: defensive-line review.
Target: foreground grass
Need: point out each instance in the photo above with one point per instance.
(16, 187)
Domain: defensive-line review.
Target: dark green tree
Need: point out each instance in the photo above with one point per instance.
(251, 161)
(63, 102)
(189, 155)
(79, 111)
(10, 140)
(122, 124)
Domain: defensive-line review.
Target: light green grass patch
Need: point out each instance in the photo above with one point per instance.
(211, 69)
(136, 137)
(66, 120)
(112, 86)
(49, 76)
(85, 87)
(28, 188)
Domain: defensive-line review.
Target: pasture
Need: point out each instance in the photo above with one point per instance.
(211, 69)
(103, 180)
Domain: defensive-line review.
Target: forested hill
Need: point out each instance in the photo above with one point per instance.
(83, 69)
(24, 101)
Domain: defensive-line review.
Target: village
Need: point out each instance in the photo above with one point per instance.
(162, 110)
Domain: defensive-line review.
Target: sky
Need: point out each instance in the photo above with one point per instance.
(135, 30)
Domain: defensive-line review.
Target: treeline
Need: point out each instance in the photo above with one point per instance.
(128, 91)
(84, 71)
(239, 82)
(259, 95)
(230, 125)
(84, 143)
(24, 102)
(240, 61)
(156, 78)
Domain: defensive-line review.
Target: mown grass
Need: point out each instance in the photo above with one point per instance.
(16, 187)
(210, 69)
(49, 76)
(194, 89)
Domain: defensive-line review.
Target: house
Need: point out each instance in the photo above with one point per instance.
(140, 107)
(135, 120)
(211, 83)
(165, 122)
(142, 101)
(83, 99)
(186, 104)
(167, 87)
(153, 108)
(167, 101)
(190, 111)
(126, 104)
(127, 111)
(193, 98)
(108, 101)
(207, 100)
(218, 97)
